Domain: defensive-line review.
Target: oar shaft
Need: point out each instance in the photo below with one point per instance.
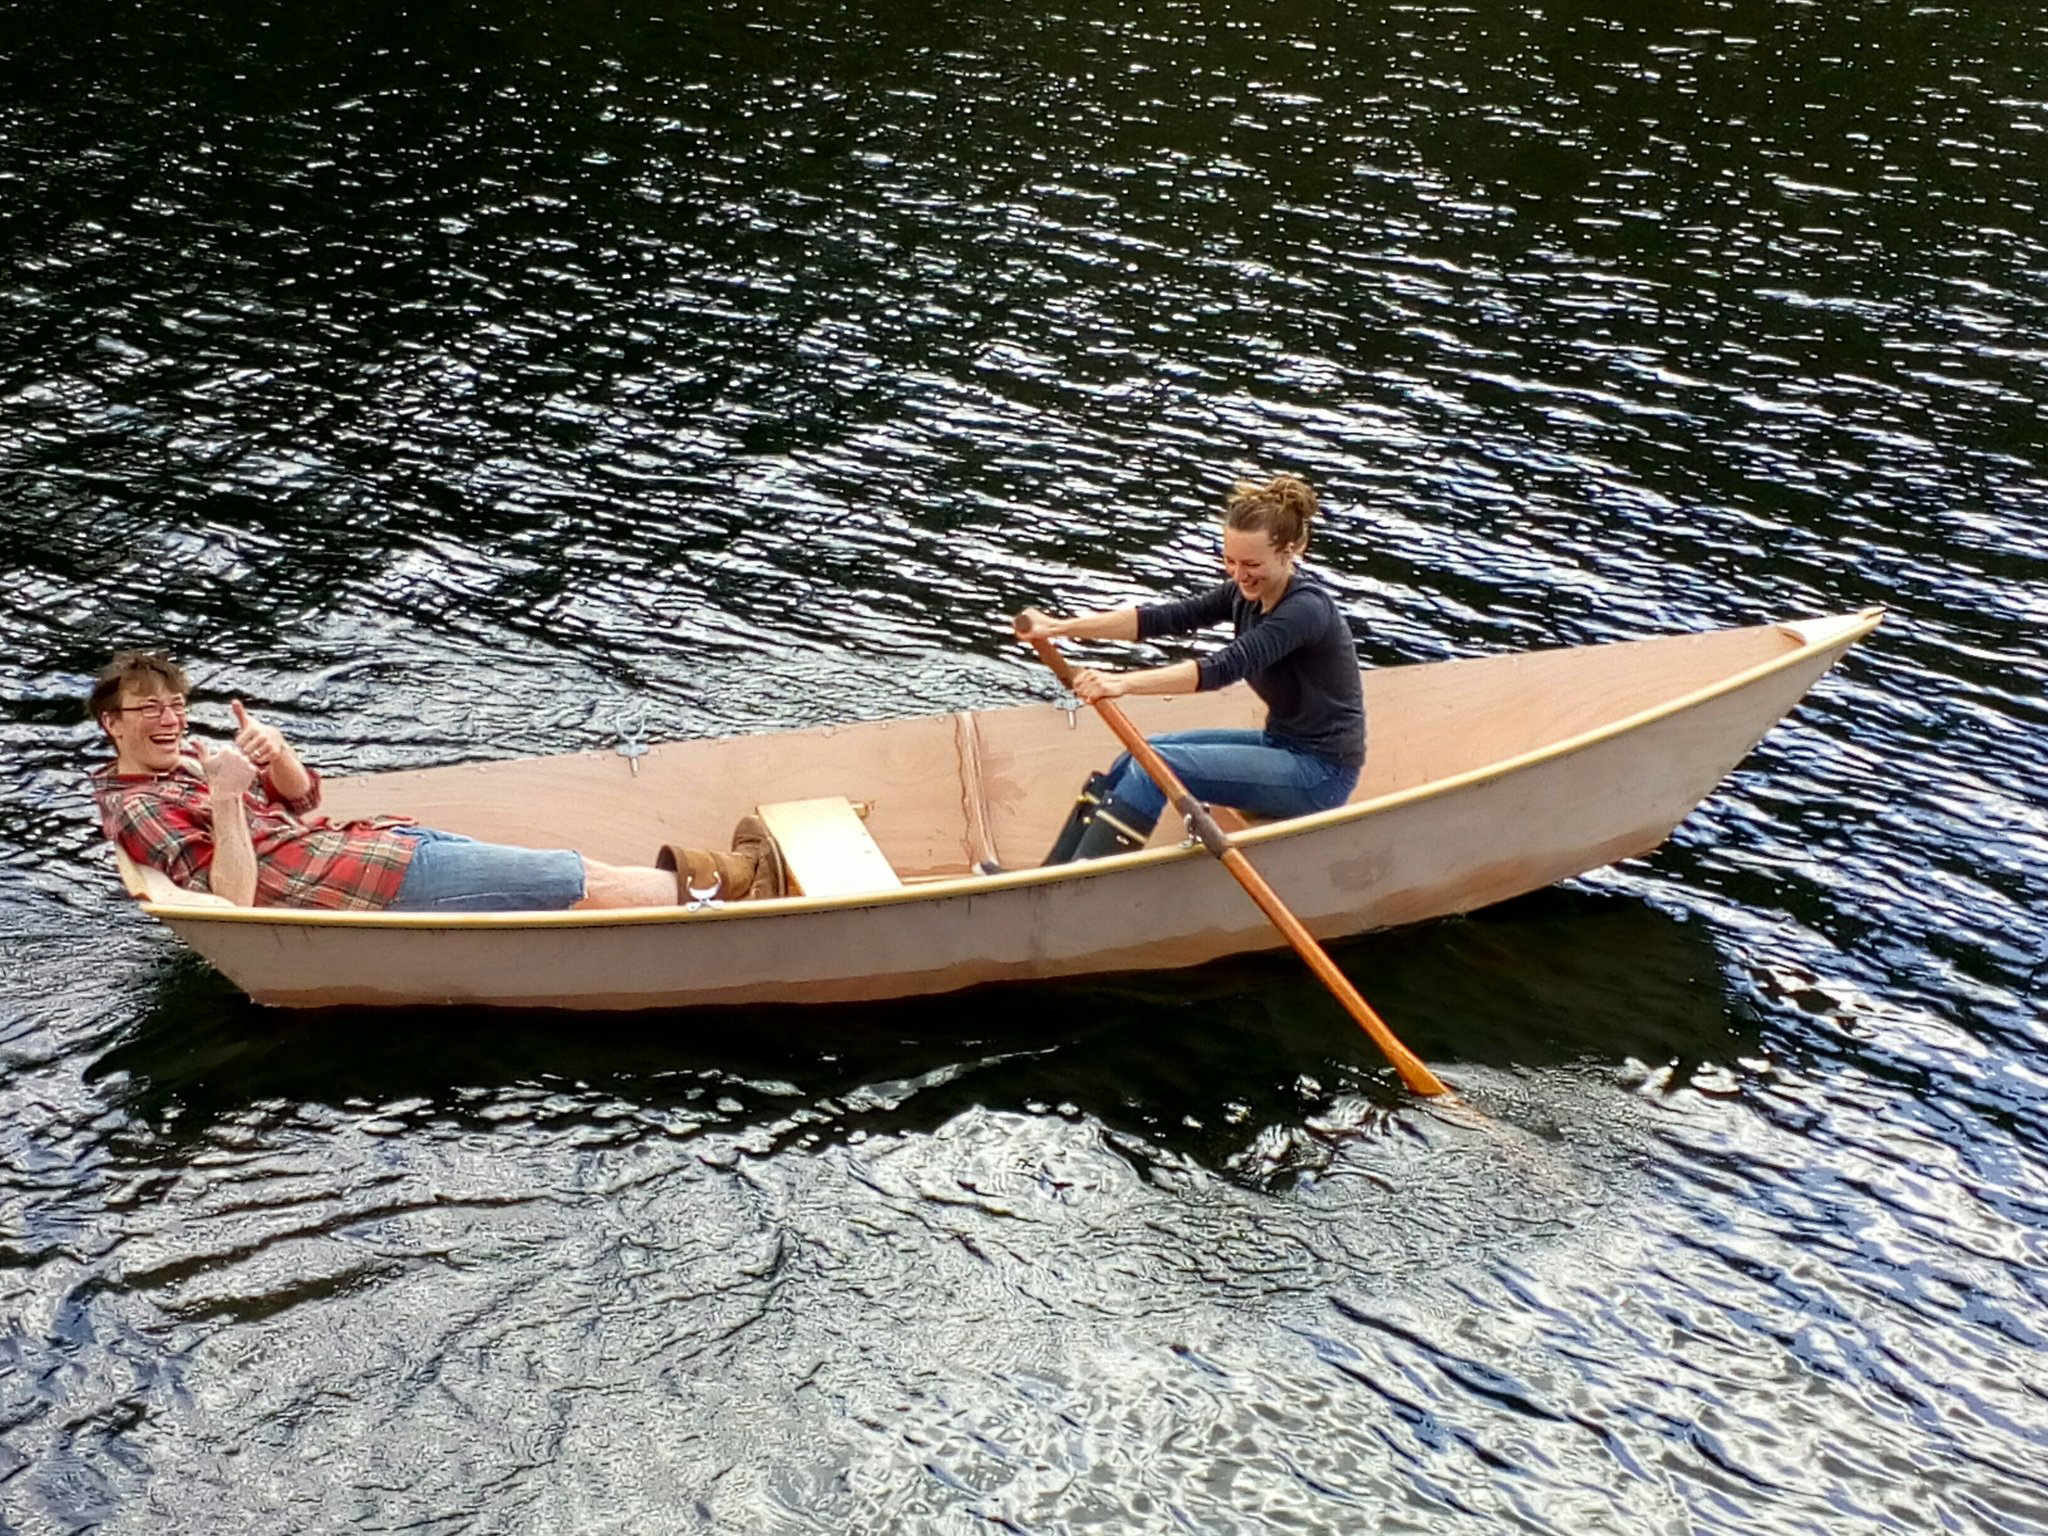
(1417, 1076)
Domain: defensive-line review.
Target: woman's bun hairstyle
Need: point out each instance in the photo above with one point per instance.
(1281, 509)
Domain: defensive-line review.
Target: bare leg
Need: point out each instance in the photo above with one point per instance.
(626, 885)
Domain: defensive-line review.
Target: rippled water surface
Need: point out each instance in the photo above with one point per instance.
(449, 380)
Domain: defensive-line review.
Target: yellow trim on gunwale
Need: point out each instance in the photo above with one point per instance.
(1836, 634)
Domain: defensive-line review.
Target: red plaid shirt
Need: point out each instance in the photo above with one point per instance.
(165, 820)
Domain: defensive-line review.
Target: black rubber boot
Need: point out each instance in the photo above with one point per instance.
(1093, 793)
(1113, 829)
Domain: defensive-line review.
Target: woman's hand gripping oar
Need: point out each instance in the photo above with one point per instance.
(1417, 1076)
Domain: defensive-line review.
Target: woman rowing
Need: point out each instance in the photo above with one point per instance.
(1292, 646)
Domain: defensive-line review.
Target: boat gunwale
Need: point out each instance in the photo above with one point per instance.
(1843, 631)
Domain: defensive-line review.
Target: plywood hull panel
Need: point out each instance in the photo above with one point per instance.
(1581, 789)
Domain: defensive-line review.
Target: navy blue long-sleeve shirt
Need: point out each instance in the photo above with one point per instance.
(1298, 658)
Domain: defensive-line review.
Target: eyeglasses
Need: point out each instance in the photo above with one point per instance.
(154, 709)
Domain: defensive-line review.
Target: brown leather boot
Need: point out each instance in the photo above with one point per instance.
(751, 840)
(728, 876)
(753, 871)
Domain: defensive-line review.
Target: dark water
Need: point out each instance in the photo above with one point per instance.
(447, 380)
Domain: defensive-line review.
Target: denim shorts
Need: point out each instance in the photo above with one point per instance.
(450, 873)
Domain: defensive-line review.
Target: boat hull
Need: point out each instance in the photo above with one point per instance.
(1422, 852)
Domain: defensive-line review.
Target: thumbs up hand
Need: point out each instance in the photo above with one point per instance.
(265, 746)
(262, 744)
(228, 771)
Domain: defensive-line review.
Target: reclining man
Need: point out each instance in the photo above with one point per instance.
(235, 821)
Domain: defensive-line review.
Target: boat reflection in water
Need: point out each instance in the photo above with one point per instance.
(1218, 1065)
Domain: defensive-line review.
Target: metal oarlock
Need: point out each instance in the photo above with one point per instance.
(631, 747)
(1068, 700)
(1199, 818)
(1417, 1076)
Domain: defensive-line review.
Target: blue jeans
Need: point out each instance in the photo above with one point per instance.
(1245, 769)
(452, 873)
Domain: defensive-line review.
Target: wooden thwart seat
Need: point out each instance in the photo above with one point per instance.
(827, 849)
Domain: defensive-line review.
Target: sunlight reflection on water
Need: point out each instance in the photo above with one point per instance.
(455, 400)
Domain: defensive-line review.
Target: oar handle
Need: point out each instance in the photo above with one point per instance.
(1213, 837)
(1417, 1076)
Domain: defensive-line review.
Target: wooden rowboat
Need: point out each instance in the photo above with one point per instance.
(1486, 778)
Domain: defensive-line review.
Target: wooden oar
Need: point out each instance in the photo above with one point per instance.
(1417, 1076)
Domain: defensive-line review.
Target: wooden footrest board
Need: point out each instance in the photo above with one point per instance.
(827, 848)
